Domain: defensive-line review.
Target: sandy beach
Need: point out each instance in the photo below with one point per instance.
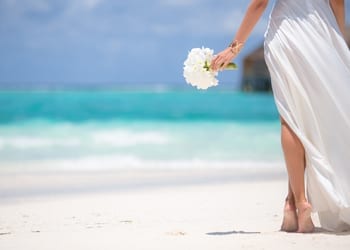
(151, 209)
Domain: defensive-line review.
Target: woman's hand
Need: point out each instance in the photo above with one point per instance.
(222, 59)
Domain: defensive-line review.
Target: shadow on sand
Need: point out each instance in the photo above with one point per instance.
(319, 230)
(230, 232)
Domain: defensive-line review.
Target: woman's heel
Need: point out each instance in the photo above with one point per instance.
(305, 224)
(290, 219)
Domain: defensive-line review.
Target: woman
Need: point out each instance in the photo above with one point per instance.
(309, 64)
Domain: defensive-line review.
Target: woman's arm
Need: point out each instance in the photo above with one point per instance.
(252, 16)
(339, 13)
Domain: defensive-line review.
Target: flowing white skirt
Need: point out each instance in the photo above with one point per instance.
(309, 63)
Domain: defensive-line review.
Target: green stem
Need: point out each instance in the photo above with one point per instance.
(231, 66)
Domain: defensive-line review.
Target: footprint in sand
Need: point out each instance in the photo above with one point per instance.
(126, 221)
(176, 233)
(4, 233)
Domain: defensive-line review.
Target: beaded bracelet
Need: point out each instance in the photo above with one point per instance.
(236, 47)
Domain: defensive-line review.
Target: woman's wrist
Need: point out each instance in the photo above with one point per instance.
(236, 46)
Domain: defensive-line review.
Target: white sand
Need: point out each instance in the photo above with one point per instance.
(198, 209)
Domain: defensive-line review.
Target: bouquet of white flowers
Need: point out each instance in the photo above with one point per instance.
(197, 71)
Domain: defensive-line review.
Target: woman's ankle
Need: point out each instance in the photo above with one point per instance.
(302, 204)
(289, 205)
(290, 200)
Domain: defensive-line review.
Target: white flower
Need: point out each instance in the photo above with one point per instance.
(197, 70)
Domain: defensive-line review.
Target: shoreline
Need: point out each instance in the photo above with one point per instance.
(17, 184)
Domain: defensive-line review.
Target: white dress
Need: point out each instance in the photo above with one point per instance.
(309, 63)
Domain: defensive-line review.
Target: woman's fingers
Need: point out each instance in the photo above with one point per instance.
(212, 65)
(221, 60)
(214, 62)
(226, 63)
(219, 63)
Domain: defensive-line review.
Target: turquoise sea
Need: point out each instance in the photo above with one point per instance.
(83, 130)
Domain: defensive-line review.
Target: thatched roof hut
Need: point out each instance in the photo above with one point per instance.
(347, 36)
(256, 75)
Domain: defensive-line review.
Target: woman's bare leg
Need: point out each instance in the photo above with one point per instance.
(294, 155)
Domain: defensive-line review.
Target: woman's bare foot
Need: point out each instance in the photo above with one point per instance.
(305, 224)
(290, 219)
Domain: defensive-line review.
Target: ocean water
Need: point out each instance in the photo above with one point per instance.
(83, 130)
